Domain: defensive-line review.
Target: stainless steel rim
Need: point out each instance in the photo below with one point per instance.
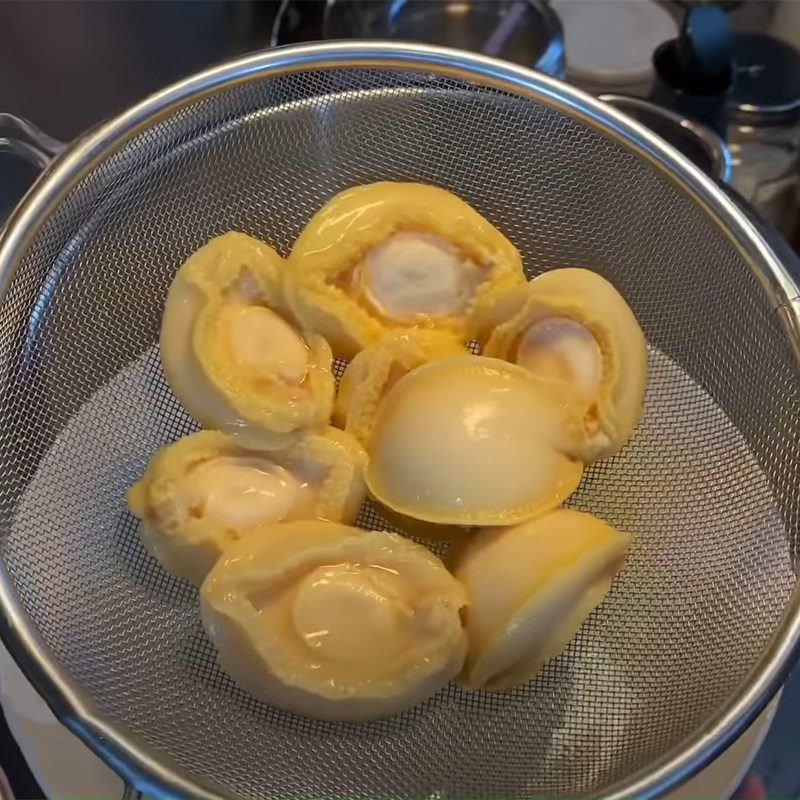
(138, 764)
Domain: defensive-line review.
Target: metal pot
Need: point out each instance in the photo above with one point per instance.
(526, 32)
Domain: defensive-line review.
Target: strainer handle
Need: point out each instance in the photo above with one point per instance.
(23, 138)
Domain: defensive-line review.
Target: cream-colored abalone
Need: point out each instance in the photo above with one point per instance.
(393, 256)
(333, 622)
(473, 441)
(530, 589)
(233, 357)
(205, 491)
(373, 372)
(573, 328)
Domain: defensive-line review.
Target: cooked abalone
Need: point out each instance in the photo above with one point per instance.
(374, 371)
(473, 441)
(575, 329)
(334, 622)
(391, 256)
(233, 358)
(201, 493)
(530, 588)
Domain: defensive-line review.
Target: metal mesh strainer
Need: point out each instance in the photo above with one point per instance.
(699, 625)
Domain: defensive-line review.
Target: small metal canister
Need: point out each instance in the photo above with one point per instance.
(764, 127)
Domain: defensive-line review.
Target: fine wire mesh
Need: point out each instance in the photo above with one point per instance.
(708, 486)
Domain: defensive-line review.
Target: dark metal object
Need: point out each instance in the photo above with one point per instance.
(23, 138)
(526, 32)
(767, 87)
(764, 129)
(696, 141)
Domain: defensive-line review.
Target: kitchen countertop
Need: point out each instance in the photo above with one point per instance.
(68, 65)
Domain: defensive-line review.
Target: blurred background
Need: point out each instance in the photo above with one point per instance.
(719, 80)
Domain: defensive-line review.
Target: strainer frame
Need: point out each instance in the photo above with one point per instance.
(151, 772)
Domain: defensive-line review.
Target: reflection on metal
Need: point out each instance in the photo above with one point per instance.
(527, 32)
